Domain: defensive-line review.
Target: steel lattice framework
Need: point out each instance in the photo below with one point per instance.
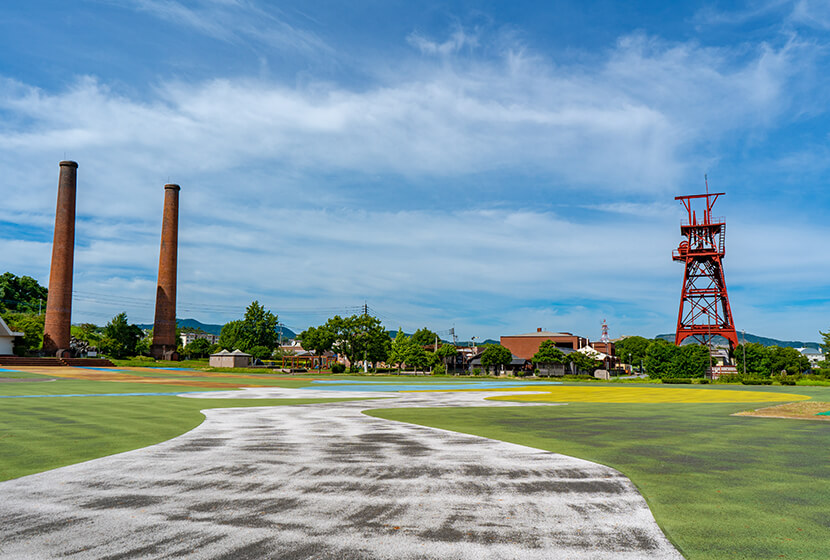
(704, 304)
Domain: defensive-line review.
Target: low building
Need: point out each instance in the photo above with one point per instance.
(188, 337)
(235, 359)
(526, 345)
(7, 338)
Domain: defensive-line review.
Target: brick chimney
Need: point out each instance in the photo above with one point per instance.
(164, 327)
(56, 330)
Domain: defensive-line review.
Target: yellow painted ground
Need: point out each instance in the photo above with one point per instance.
(559, 393)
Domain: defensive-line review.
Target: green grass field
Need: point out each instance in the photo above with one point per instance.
(720, 486)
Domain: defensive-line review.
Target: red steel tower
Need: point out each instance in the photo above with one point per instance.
(704, 303)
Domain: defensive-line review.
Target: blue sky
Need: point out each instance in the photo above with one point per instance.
(491, 166)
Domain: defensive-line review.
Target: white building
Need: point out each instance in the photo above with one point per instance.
(7, 337)
(188, 337)
(815, 356)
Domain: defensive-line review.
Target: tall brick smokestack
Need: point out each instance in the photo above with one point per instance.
(59, 302)
(164, 327)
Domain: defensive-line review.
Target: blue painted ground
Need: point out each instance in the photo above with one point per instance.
(394, 386)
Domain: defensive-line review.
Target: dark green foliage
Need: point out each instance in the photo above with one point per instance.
(584, 363)
(32, 328)
(337, 367)
(495, 355)
(729, 378)
(120, 337)
(317, 339)
(690, 360)
(198, 348)
(357, 337)
(677, 380)
(229, 337)
(257, 328)
(548, 353)
(659, 355)
(756, 381)
(399, 348)
(787, 359)
(416, 357)
(21, 294)
(423, 337)
(635, 346)
(757, 359)
(260, 352)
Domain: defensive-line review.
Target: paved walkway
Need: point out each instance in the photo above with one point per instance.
(324, 481)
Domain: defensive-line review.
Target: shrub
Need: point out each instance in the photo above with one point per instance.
(756, 381)
(440, 369)
(703, 381)
(677, 380)
(729, 378)
(337, 367)
(476, 371)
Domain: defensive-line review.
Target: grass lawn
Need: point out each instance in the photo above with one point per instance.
(720, 486)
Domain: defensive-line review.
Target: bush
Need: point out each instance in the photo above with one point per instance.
(476, 371)
(729, 378)
(440, 369)
(756, 381)
(703, 381)
(142, 359)
(677, 380)
(337, 367)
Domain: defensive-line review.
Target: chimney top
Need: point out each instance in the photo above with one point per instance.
(69, 164)
(173, 187)
(538, 329)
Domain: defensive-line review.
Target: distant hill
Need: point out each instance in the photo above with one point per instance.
(762, 340)
(215, 329)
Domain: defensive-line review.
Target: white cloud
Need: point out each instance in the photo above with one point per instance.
(235, 21)
(459, 39)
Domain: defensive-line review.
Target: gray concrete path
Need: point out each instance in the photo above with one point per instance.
(324, 481)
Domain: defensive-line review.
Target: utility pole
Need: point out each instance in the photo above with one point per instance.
(365, 308)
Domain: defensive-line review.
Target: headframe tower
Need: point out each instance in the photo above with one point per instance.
(704, 304)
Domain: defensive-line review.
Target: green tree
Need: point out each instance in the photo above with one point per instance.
(787, 359)
(416, 357)
(757, 359)
(317, 339)
(423, 337)
(120, 337)
(198, 348)
(259, 328)
(31, 326)
(632, 349)
(659, 356)
(548, 353)
(397, 353)
(495, 355)
(87, 332)
(21, 294)
(229, 335)
(358, 337)
(260, 352)
(447, 352)
(690, 360)
(584, 362)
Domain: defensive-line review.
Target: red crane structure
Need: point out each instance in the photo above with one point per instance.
(704, 304)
